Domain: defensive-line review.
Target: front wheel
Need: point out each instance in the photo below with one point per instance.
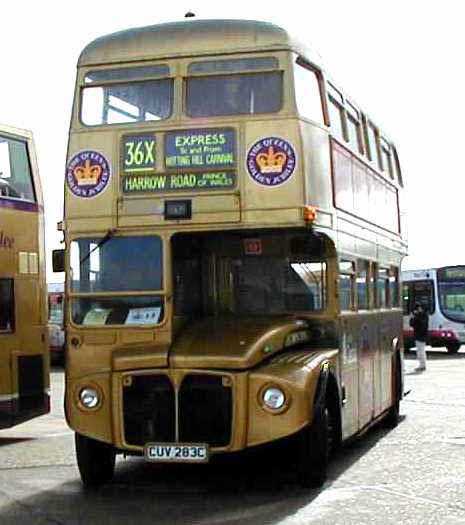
(453, 348)
(313, 450)
(96, 461)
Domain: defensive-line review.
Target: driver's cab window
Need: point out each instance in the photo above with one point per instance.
(15, 170)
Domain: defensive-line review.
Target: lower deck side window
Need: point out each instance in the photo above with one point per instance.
(7, 306)
(346, 285)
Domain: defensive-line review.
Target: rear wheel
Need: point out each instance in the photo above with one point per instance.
(453, 348)
(392, 417)
(313, 449)
(95, 459)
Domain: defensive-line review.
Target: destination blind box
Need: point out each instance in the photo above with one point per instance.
(176, 210)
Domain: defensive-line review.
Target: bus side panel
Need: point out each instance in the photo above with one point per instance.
(24, 366)
(366, 366)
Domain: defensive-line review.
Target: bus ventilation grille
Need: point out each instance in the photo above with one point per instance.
(204, 410)
(30, 382)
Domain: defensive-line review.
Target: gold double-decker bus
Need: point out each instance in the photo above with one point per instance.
(233, 241)
(24, 361)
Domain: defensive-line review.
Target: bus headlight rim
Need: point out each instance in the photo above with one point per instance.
(273, 398)
(89, 397)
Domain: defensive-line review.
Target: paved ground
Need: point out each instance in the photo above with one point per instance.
(414, 474)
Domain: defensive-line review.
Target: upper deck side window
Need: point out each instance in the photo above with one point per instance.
(372, 139)
(307, 92)
(122, 95)
(253, 87)
(386, 158)
(15, 170)
(396, 166)
(354, 128)
(336, 112)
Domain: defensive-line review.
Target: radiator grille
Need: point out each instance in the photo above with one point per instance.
(149, 410)
(204, 410)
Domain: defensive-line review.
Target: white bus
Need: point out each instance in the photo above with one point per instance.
(441, 291)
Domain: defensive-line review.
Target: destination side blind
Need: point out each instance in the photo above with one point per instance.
(194, 160)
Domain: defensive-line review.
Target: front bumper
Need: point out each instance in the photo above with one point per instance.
(220, 408)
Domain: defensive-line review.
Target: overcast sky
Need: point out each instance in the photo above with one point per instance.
(401, 60)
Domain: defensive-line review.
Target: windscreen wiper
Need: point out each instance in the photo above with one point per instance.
(109, 235)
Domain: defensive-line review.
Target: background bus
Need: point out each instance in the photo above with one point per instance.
(24, 359)
(441, 291)
(233, 243)
(56, 331)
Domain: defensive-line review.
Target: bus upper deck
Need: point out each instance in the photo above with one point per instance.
(230, 126)
(24, 379)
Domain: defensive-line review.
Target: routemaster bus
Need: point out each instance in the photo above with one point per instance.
(233, 236)
(441, 292)
(24, 367)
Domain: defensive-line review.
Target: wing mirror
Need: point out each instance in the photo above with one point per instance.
(58, 260)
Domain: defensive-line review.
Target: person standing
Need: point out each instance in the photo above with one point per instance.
(419, 323)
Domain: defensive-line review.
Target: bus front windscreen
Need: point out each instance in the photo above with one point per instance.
(451, 288)
(118, 279)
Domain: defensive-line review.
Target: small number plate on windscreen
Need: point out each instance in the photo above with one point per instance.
(176, 453)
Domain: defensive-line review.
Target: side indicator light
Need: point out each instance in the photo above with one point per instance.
(310, 214)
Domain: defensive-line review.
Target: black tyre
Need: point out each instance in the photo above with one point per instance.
(96, 461)
(314, 449)
(453, 348)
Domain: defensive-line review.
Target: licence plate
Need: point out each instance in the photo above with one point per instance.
(178, 453)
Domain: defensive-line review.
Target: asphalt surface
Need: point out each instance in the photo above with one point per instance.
(414, 474)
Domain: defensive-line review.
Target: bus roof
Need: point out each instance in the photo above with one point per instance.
(16, 131)
(189, 38)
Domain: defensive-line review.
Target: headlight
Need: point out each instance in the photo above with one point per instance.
(274, 398)
(89, 397)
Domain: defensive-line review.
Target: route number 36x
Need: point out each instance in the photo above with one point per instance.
(139, 153)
